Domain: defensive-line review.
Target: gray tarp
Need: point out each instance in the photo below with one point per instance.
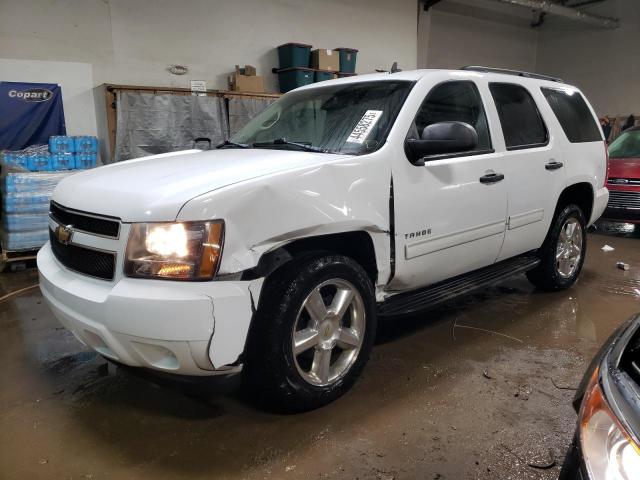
(148, 124)
(241, 110)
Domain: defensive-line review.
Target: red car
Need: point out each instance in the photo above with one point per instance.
(624, 178)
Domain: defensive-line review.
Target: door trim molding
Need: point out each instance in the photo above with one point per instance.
(449, 240)
(525, 218)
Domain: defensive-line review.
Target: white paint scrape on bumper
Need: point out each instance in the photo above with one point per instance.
(187, 328)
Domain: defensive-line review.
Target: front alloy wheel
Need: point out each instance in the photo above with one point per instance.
(312, 333)
(328, 332)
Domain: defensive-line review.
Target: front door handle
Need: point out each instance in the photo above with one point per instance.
(553, 165)
(492, 178)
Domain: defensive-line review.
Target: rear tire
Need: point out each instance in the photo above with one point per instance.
(563, 251)
(314, 331)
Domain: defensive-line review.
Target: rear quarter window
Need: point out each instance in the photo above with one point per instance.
(574, 115)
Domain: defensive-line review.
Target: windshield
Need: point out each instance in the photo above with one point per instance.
(626, 145)
(353, 118)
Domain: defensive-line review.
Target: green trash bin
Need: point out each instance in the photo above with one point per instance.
(322, 75)
(347, 59)
(294, 55)
(290, 78)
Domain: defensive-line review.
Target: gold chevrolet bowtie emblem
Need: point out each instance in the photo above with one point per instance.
(64, 233)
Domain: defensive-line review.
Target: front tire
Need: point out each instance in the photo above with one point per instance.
(315, 329)
(563, 252)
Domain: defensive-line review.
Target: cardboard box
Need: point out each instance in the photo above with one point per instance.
(245, 80)
(247, 70)
(247, 83)
(322, 59)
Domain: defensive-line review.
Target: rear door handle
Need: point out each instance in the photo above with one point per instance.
(492, 178)
(553, 165)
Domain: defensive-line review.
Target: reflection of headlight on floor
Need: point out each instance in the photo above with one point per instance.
(608, 451)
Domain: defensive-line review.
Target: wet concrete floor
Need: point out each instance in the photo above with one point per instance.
(479, 388)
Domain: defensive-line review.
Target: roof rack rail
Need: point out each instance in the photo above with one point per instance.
(506, 71)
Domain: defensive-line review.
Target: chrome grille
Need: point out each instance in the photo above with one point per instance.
(85, 260)
(85, 222)
(624, 181)
(625, 200)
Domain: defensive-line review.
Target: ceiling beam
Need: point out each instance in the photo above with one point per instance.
(547, 6)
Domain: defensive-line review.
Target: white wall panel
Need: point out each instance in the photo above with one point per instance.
(133, 41)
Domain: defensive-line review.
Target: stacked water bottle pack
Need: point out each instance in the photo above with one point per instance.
(25, 207)
(62, 153)
(28, 180)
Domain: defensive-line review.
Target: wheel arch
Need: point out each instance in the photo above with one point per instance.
(581, 194)
(358, 245)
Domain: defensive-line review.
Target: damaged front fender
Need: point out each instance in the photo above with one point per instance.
(345, 194)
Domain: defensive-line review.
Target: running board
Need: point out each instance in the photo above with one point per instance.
(418, 300)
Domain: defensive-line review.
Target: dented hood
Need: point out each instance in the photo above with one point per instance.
(153, 189)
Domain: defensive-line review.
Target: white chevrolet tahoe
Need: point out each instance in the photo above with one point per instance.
(344, 201)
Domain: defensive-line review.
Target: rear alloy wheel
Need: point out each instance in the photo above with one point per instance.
(569, 248)
(312, 333)
(563, 251)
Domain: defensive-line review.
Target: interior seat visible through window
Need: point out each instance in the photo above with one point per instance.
(454, 101)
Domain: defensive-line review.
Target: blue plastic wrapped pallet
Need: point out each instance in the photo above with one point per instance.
(25, 206)
(15, 159)
(24, 240)
(61, 144)
(30, 202)
(24, 222)
(63, 161)
(23, 182)
(40, 162)
(86, 160)
(85, 144)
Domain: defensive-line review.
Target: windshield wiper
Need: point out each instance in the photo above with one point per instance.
(284, 141)
(228, 144)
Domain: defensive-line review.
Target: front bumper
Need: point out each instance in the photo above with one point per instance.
(624, 204)
(187, 328)
(625, 215)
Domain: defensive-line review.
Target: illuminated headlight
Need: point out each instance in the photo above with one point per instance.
(178, 251)
(608, 451)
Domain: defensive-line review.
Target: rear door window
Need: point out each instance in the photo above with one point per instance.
(573, 114)
(521, 121)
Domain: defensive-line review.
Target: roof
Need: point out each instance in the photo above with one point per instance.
(415, 75)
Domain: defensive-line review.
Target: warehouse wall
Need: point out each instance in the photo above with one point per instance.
(455, 33)
(133, 41)
(604, 63)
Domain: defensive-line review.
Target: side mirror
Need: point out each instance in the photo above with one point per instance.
(441, 138)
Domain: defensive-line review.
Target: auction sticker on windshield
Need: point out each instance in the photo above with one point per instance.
(364, 126)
